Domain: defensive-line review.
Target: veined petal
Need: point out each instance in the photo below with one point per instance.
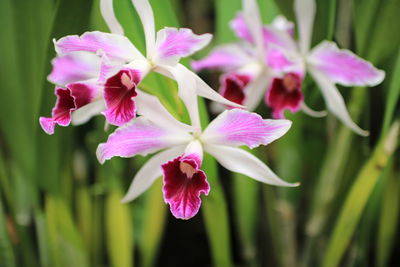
(146, 15)
(255, 90)
(151, 107)
(139, 137)
(233, 85)
(240, 161)
(184, 182)
(173, 43)
(120, 90)
(73, 67)
(68, 100)
(238, 127)
(107, 11)
(285, 93)
(115, 46)
(344, 67)
(334, 101)
(305, 14)
(150, 171)
(224, 57)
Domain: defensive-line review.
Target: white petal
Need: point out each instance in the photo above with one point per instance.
(313, 113)
(240, 161)
(252, 17)
(204, 90)
(256, 89)
(146, 15)
(186, 90)
(151, 107)
(107, 11)
(85, 113)
(334, 101)
(305, 14)
(150, 171)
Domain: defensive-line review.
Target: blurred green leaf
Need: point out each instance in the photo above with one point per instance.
(7, 257)
(119, 231)
(358, 196)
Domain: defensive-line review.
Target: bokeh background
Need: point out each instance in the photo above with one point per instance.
(60, 207)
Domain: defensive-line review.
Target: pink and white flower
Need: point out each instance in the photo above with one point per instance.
(180, 153)
(118, 67)
(287, 60)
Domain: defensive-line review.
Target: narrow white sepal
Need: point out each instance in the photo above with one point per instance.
(256, 89)
(146, 15)
(107, 11)
(334, 101)
(240, 161)
(313, 113)
(150, 107)
(305, 14)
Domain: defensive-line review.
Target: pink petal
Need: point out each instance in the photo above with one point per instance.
(69, 99)
(172, 44)
(277, 60)
(184, 182)
(61, 113)
(224, 57)
(238, 127)
(239, 27)
(115, 46)
(233, 85)
(285, 93)
(140, 136)
(74, 67)
(344, 67)
(282, 24)
(119, 91)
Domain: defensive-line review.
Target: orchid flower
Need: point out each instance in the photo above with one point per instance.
(289, 61)
(180, 159)
(99, 72)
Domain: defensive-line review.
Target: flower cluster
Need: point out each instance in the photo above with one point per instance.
(100, 73)
(269, 63)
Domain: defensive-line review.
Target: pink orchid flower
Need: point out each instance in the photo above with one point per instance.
(180, 153)
(287, 62)
(99, 72)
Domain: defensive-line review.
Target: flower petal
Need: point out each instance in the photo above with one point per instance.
(146, 15)
(115, 46)
(253, 20)
(343, 67)
(140, 136)
(182, 190)
(313, 113)
(119, 91)
(238, 127)
(85, 113)
(255, 90)
(240, 161)
(281, 23)
(285, 93)
(233, 85)
(173, 43)
(186, 90)
(150, 171)
(305, 14)
(224, 57)
(151, 107)
(239, 27)
(73, 67)
(334, 101)
(107, 11)
(61, 113)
